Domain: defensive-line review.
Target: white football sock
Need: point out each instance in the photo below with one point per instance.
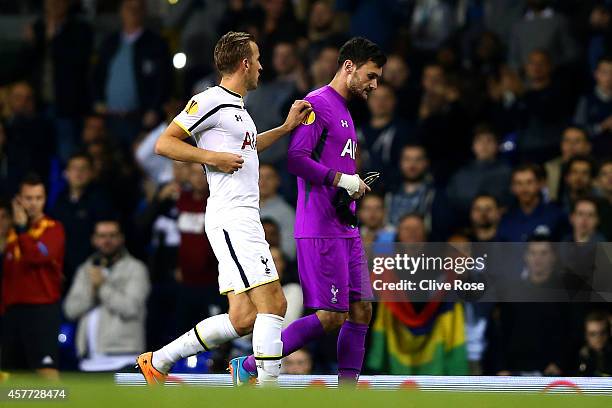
(267, 347)
(207, 334)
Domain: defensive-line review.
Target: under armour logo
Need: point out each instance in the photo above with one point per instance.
(344, 123)
(265, 262)
(334, 292)
(238, 118)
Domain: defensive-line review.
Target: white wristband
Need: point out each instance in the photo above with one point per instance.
(349, 183)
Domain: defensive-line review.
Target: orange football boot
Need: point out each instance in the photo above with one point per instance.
(151, 374)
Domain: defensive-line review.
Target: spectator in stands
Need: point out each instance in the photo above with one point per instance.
(542, 28)
(78, 208)
(384, 135)
(299, 362)
(604, 184)
(94, 130)
(277, 25)
(441, 115)
(108, 298)
(594, 110)
(595, 358)
(574, 142)
(371, 214)
(431, 23)
(157, 226)
(321, 30)
(411, 229)
(133, 76)
(533, 336)
(530, 214)
(157, 169)
(270, 102)
(273, 206)
(397, 75)
(598, 42)
(291, 289)
(59, 60)
(5, 228)
(584, 219)
(542, 111)
(24, 129)
(271, 232)
(485, 175)
(12, 166)
(31, 284)
(485, 216)
(324, 66)
(198, 295)
(117, 175)
(578, 181)
(417, 194)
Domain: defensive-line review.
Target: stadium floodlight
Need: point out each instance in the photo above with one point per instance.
(179, 60)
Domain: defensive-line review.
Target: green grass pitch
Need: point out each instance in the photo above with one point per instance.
(95, 391)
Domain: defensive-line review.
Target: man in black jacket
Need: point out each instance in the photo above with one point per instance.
(79, 207)
(133, 76)
(59, 60)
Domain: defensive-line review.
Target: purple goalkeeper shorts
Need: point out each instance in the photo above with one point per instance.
(333, 272)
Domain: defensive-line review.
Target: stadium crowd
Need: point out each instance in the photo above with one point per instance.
(493, 123)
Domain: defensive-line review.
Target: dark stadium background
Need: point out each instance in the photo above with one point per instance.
(475, 93)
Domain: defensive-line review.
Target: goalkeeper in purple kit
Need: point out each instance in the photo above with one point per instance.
(331, 259)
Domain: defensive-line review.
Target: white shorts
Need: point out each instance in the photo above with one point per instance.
(245, 261)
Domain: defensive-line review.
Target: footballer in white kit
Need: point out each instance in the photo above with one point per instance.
(218, 121)
(227, 146)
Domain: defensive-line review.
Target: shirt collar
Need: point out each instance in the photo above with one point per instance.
(601, 95)
(132, 37)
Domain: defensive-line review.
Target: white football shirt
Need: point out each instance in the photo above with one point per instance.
(218, 121)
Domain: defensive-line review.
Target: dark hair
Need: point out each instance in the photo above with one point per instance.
(374, 195)
(361, 50)
(5, 205)
(411, 215)
(232, 48)
(484, 128)
(605, 162)
(414, 146)
(588, 199)
(537, 170)
(31, 179)
(576, 126)
(108, 220)
(597, 316)
(604, 59)
(80, 155)
(485, 195)
(592, 165)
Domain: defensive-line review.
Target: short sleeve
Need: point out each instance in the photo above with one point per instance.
(200, 113)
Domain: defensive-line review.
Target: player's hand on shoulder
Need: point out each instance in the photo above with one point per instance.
(298, 113)
(226, 162)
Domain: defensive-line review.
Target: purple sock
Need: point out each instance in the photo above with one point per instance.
(351, 350)
(294, 337)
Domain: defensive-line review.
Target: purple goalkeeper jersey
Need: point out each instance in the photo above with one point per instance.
(324, 144)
